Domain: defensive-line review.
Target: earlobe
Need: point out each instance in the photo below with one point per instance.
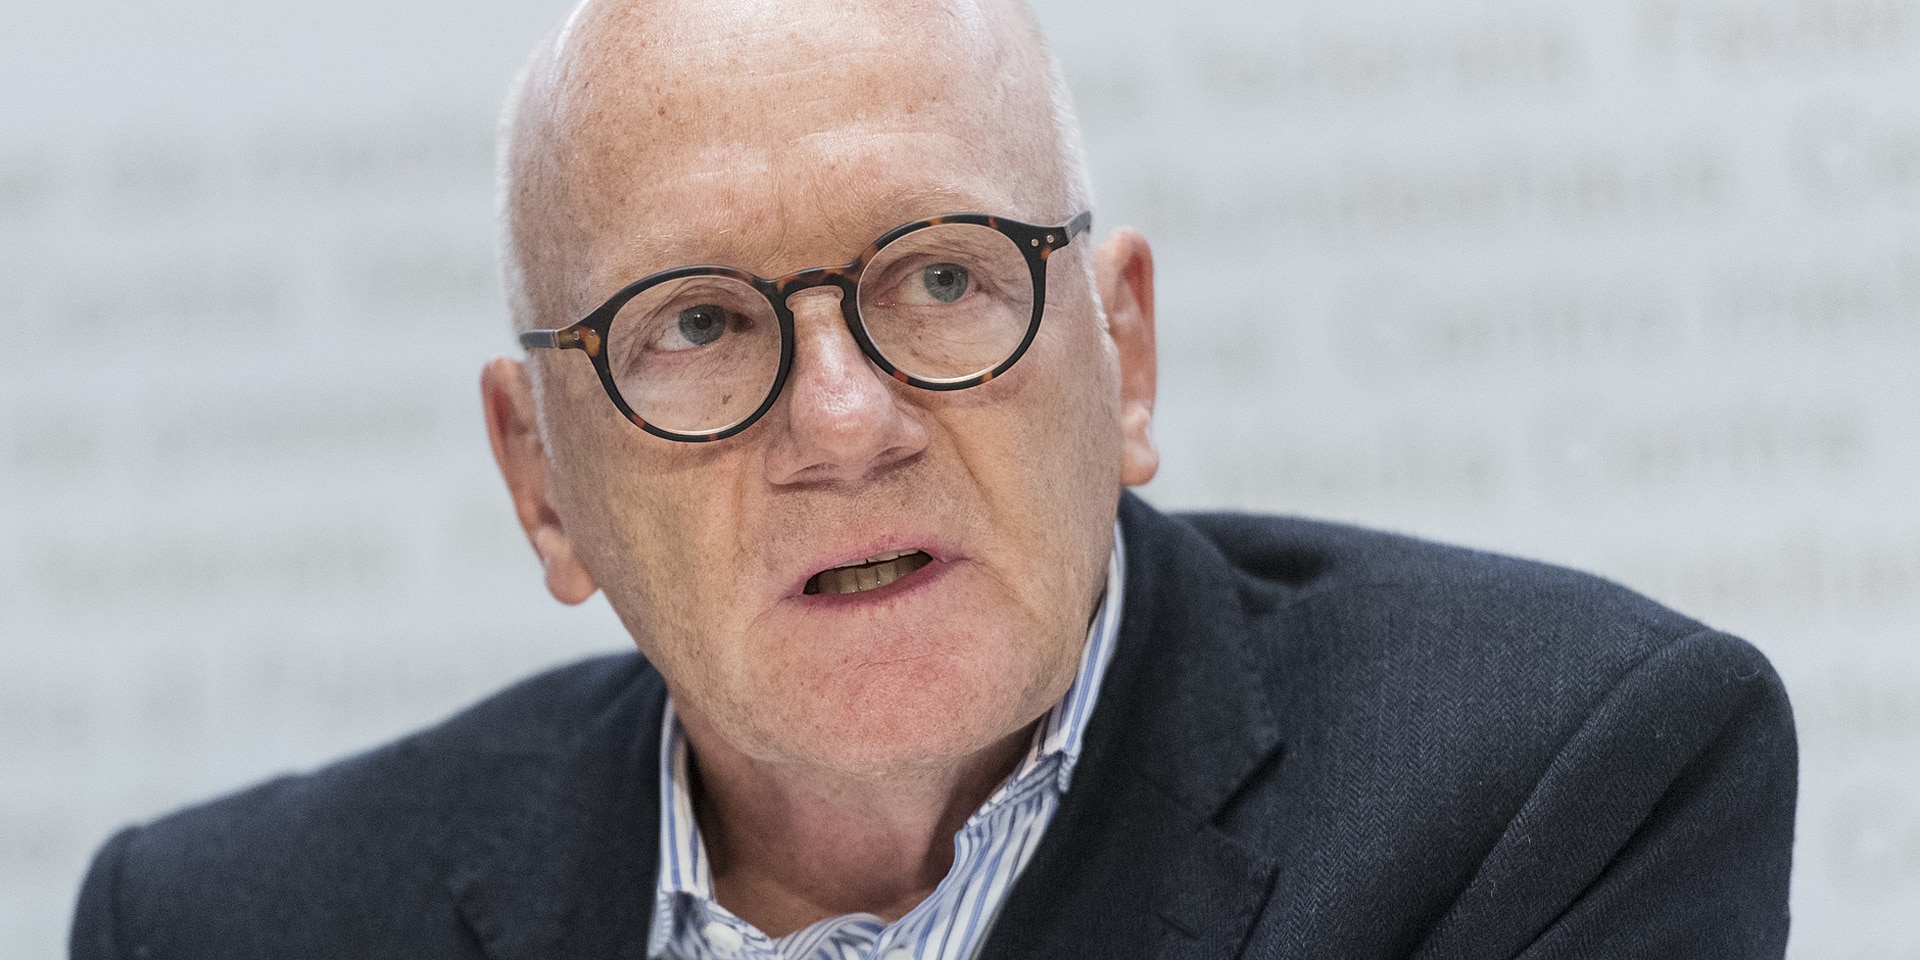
(1123, 275)
(513, 428)
(567, 580)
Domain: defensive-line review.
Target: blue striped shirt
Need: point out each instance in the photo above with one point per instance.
(989, 851)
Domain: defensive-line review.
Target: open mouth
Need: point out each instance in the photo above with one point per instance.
(869, 574)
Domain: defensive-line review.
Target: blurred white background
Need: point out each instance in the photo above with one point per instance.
(1629, 286)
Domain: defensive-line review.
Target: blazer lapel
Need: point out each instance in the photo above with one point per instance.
(1136, 861)
(573, 875)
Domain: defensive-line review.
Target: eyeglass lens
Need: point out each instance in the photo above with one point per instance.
(696, 353)
(701, 353)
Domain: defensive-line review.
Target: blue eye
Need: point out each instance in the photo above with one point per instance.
(703, 324)
(945, 282)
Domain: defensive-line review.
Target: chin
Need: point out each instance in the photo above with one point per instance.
(896, 716)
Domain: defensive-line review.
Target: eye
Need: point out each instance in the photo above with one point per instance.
(702, 324)
(945, 282)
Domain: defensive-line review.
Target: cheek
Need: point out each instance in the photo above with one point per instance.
(655, 524)
(1046, 458)
(674, 580)
(1064, 426)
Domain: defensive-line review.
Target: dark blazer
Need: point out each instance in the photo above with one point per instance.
(1313, 741)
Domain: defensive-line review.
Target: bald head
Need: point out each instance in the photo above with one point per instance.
(767, 119)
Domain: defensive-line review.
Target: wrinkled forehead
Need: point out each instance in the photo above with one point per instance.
(672, 127)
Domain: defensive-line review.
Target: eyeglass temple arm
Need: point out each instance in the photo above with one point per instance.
(1081, 223)
(565, 338)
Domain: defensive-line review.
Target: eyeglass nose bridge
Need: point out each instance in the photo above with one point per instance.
(847, 279)
(842, 277)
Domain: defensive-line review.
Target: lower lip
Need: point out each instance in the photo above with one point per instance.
(922, 578)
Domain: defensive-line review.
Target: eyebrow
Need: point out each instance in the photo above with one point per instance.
(654, 250)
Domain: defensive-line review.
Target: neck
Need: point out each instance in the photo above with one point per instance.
(790, 846)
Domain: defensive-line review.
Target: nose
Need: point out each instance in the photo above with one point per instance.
(844, 419)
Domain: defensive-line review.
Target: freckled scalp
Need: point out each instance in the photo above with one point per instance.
(625, 88)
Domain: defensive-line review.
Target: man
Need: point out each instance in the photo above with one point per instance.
(916, 679)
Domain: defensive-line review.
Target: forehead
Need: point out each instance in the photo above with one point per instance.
(814, 202)
(762, 141)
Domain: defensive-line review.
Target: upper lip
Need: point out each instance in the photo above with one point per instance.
(842, 556)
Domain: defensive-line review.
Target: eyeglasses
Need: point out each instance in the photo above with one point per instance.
(699, 353)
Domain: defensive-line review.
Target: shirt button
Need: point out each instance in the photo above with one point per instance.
(899, 953)
(724, 939)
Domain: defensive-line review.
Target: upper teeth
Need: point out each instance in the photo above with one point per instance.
(875, 571)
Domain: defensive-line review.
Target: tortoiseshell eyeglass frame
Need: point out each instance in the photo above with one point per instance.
(589, 334)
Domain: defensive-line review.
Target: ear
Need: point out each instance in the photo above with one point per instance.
(514, 428)
(1123, 276)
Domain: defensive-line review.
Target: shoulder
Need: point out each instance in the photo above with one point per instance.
(1386, 658)
(1362, 628)
(1482, 738)
(1319, 558)
(315, 850)
(1354, 597)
